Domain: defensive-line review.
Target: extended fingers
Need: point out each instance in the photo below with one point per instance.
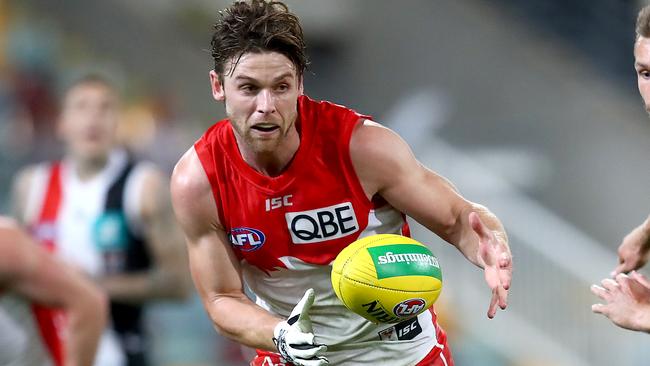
(610, 285)
(600, 309)
(301, 309)
(499, 298)
(635, 286)
(492, 277)
(492, 310)
(640, 278)
(502, 294)
(600, 292)
(623, 267)
(505, 270)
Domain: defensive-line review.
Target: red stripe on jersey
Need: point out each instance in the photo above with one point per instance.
(440, 351)
(51, 204)
(46, 318)
(49, 319)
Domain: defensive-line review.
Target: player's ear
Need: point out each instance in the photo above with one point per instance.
(300, 85)
(216, 83)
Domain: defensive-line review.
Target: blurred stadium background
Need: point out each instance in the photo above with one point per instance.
(530, 107)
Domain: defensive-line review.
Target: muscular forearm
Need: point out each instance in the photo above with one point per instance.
(143, 286)
(241, 320)
(86, 319)
(468, 240)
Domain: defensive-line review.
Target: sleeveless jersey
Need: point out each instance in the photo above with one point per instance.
(287, 230)
(95, 225)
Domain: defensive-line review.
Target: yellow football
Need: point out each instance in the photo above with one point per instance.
(387, 278)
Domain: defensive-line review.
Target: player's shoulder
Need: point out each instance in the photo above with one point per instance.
(189, 180)
(379, 155)
(191, 194)
(27, 173)
(374, 140)
(24, 183)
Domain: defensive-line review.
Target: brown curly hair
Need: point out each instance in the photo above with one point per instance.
(643, 23)
(257, 26)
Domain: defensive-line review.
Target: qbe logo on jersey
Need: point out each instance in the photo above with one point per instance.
(326, 223)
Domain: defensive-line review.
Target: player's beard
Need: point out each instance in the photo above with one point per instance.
(258, 145)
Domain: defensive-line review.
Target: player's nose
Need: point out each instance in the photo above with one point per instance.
(265, 102)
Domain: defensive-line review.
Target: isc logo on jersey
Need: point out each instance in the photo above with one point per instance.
(326, 223)
(246, 239)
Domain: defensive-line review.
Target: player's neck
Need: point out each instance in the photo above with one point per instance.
(272, 163)
(88, 168)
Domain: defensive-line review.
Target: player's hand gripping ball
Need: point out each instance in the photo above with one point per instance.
(387, 278)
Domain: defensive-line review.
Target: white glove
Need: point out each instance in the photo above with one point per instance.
(294, 337)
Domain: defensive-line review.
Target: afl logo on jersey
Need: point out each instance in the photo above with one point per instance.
(246, 239)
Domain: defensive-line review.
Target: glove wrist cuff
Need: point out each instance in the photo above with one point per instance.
(278, 328)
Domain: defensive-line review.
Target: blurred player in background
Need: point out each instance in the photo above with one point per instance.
(627, 297)
(108, 215)
(272, 194)
(30, 277)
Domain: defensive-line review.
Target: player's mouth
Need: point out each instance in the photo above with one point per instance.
(265, 127)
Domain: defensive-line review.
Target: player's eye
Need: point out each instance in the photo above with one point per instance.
(644, 73)
(282, 87)
(248, 88)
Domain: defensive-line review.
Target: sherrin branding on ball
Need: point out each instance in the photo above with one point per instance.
(386, 278)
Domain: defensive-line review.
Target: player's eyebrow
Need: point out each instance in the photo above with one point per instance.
(640, 65)
(245, 78)
(250, 79)
(285, 75)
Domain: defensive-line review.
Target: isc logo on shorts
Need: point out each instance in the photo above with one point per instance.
(322, 224)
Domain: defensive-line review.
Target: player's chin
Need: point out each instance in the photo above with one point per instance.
(265, 145)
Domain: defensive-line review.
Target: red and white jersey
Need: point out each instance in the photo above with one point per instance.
(25, 337)
(287, 230)
(63, 211)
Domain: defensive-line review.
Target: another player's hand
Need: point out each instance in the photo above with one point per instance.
(294, 337)
(495, 258)
(633, 251)
(627, 301)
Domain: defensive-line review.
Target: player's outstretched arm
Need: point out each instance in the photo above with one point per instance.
(168, 277)
(28, 270)
(386, 166)
(634, 250)
(217, 275)
(213, 265)
(627, 301)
